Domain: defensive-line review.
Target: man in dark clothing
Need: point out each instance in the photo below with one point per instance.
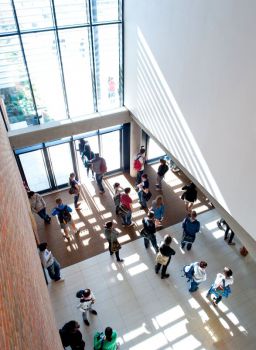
(189, 196)
(162, 170)
(71, 336)
(222, 224)
(100, 168)
(149, 231)
(166, 251)
(190, 227)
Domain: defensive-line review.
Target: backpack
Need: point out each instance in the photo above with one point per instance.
(80, 293)
(103, 166)
(64, 215)
(64, 338)
(137, 164)
(190, 273)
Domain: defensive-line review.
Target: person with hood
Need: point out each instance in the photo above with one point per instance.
(189, 196)
(196, 274)
(111, 236)
(221, 286)
(164, 256)
(190, 227)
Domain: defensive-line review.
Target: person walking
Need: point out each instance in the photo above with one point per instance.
(139, 164)
(38, 206)
(70, 335)
(87, 299)
(87, 157)
(100, 168)
(65, 218)
(189, 196)
(111, 236)
(162, 170)
(143, 191)
(149, 231)
(164, 256)
(74, 189)
(158, 210)
(117, 196)
(221, 286)
(106, 340)
(190, 227)
(196, 274)
(125, 207)
(49, 262)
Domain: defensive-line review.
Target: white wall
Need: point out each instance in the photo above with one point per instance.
(190, 76)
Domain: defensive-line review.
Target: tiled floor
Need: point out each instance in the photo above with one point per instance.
(149, 313)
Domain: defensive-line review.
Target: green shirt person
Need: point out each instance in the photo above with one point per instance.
(107, 341)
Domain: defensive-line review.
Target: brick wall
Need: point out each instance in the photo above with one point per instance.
(26, 317)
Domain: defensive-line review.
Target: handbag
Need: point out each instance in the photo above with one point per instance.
(161, 259)
(147, 195)
(143, 233)
(72, 190)
(115, 246)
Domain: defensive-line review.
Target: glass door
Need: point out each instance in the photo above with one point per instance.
(35, 170)
(110, 149)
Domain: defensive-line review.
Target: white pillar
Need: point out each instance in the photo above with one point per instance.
(135, 143)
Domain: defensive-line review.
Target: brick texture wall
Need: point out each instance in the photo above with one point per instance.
(26, 317)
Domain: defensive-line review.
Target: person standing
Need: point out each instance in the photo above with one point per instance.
(166, 251)
(149, 231)
(190, 227)
(87, 299)
(49, 262)
(158, 209)
(111, 236)
(125, 207)
(87, 157)
(162, 170)
(196, 274)
(221, 286)
(38, 206)
(100, 168)
(107, 341)
(143, 191)
(74, 189)
(65, 218)
(189, 196)
(117, 196)
(70, 335)
(139, 164)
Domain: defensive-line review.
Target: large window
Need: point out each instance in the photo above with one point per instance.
(59, 59)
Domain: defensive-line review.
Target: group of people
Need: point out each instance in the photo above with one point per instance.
(195, 272)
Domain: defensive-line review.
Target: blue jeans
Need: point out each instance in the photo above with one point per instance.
(152, 239)
(99, 178)
(127, 218)
(142, 199)
(193, 286)
(212, 291)
(42, 213)
(54, 271)
(76, 198)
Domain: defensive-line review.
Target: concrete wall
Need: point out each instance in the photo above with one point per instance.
(190, 81)
(26, 317)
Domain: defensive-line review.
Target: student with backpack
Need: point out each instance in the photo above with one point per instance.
(190, 227)
(149, 231)
(100, 168)
(70, 335)
(65, 219)
(196, 274)
(221, 286)
(139, 163)
(87, 299)
(74, 189)
(164, 256)
(162, 170)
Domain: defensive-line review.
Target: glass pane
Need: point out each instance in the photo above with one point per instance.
(75, 53)
(71, 12)
(61, 161)
(41, 54)
(94, 143)
(154, 151)
(7, 22)
(110, 147)
(105, 10)
(34, 14)
(35, 171)
(14, 84)
(106, 44)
